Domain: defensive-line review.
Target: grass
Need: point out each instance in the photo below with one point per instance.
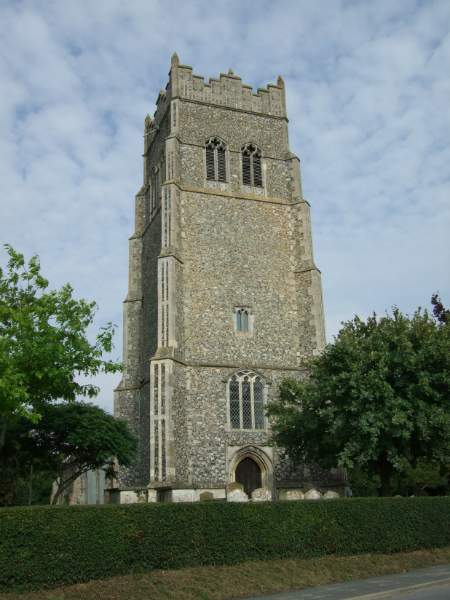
(242, 581)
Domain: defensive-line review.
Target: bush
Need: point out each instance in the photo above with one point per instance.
(51, 546)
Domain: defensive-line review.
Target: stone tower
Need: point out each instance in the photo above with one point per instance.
(224, 297)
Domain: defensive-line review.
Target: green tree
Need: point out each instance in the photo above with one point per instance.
(43, 343)
(425, 474)
(68, 440)
(380, 393)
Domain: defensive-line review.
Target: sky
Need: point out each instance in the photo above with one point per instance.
(367, 86)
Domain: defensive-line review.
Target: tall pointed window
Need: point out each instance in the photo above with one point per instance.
(251, 165)
(216, 164)
(246, 401)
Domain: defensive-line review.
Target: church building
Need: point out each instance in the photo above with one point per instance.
(224, 300)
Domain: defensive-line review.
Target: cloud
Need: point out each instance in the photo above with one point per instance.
(367, 93)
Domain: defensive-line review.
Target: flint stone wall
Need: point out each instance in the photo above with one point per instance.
(228, 245)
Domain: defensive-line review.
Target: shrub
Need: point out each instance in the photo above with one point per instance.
(50, 546)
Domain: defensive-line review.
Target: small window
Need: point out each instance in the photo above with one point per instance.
(246, 400)
(242, 319)
(216, 164)
(251, 165)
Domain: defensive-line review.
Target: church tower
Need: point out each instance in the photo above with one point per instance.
(224, 297)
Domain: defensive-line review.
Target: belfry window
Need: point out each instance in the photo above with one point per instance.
(216, 164)
(246, 401)
(251, 165)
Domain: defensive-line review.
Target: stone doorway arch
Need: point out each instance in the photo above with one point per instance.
(262, 467)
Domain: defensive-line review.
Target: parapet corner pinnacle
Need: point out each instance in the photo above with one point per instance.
(175, 61)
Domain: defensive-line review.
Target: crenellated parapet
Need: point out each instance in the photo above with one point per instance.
(227, 91)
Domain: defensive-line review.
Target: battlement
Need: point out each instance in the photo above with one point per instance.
(227, 91)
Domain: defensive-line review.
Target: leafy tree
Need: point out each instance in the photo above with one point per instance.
(380, 393)
(425, 474)
(441, 314)
(363, 483)
(13, 467)
(68, 440)
(43, 343)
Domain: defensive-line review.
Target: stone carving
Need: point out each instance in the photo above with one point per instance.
(206, 496)
(313, 495)
(330, 495)
(261, 495)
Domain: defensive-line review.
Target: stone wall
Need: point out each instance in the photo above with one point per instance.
(201, 249)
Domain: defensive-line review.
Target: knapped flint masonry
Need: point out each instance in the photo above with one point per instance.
(224, 297)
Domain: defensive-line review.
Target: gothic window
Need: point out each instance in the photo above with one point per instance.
(251, 165)
(242, 319)
(216, 166)
(245, 391)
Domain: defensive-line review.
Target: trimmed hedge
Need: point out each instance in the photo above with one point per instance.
(50, 546)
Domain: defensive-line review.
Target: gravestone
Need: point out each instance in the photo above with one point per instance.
(313, 495)
(291, 495)
(235, 493)
(261, 495)
(206, 496)
(330, 495)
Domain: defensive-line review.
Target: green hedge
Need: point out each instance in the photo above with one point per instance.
(49, 546)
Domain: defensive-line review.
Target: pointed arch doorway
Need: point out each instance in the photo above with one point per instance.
(248, 473)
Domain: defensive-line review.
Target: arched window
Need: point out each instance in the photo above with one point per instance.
(216, 164)
(251, 165)
(246, 401)
(242, 319)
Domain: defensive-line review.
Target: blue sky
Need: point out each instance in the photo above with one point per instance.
(368, 102)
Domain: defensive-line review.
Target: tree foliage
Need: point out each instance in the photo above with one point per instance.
(379, 394)
(43, 343)
(410, 481)
(69, 439)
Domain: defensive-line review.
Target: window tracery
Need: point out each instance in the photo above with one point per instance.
(216, 164)
(251, 165)
(246, 400)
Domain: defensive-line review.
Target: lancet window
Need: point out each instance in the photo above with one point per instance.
(242, 319)
(251, 165)
(216, 164)
(246, 400)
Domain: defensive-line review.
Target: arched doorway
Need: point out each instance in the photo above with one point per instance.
(249, 474)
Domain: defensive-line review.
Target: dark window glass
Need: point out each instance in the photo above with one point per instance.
(234, 404)
(258, 403)
(210, 171)
(246, 171)
(257, 175)
(246, 404)
(221, 165)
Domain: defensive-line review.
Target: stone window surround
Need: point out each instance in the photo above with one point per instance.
(254, 190)
(265, 392)
(216, 143)
(223, 186)
(251, 319)
(214, 183)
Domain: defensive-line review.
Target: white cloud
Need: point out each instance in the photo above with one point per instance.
(367, 91)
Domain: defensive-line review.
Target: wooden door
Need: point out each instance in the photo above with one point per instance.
(249, 474)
